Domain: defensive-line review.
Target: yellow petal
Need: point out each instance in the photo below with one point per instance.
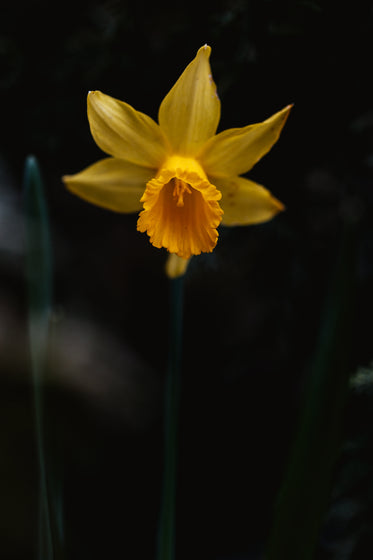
(122, 132)
(111, 183)
(176, 266)
(245, 202)
(236, 150)
(190, 112)
(181, 209)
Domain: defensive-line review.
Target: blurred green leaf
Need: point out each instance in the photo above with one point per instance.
(306, 487)
(39, 287)
(38, 263)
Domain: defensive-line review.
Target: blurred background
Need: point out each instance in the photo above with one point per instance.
(254, 308)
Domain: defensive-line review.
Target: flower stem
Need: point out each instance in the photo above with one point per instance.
(166, 536)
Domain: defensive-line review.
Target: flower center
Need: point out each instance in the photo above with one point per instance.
(181, 209)
(180, 187)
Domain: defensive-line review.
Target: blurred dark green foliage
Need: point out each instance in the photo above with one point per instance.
(253, 307)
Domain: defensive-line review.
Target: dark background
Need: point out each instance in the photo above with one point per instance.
(254, 307)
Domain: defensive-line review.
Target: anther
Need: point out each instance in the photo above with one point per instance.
(179, 189)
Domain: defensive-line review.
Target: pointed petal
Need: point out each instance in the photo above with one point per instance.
(245, 202)
(236, 151)
(122, 132)
(190, 112)
(111, 183)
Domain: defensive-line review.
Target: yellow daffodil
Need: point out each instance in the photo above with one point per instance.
(182, 175)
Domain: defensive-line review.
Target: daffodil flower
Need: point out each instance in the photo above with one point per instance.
(185, 178)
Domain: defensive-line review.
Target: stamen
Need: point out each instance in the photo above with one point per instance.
(180, 187)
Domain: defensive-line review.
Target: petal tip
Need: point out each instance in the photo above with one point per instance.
(93, 93)
(286, 111)
(279, 205)
(90, 96)
(205, 50)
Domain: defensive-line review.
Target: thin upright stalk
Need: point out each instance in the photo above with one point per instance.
(39, 289)
(166, 536)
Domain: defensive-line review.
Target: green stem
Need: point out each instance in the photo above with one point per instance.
(166, 536)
